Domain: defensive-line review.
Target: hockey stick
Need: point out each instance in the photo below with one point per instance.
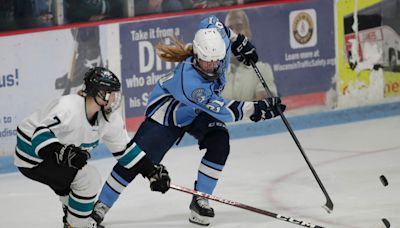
(244, 206)
(329, 204)
(71, 73)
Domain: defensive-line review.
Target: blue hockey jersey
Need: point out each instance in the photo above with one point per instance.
(180, 96)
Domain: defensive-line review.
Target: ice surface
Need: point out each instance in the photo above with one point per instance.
(266, 172)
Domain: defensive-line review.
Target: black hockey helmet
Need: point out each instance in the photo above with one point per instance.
(99, 80)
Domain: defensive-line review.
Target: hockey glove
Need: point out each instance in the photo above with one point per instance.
(159, 179)
(267, 108)
(243, 50)
(72, 156)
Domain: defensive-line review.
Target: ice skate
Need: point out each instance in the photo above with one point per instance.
(201, 212)
(99, 211)
(64, 219)
(91, 223)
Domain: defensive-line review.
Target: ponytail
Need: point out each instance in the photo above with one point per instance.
(176, 52)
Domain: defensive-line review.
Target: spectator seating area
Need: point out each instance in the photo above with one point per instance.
(26, 14)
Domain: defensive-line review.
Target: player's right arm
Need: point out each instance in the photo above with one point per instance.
(45, 144)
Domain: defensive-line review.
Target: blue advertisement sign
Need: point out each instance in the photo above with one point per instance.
(296, 39)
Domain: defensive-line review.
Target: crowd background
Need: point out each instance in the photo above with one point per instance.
(26, 14)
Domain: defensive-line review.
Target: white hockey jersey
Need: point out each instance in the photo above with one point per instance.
(64, 120)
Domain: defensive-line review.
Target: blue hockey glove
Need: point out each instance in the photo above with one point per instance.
(243, 50)
(72, 156)
(267, 108)
(159, 179)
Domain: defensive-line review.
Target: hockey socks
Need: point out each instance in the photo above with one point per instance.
(207, 176)
(113, 187)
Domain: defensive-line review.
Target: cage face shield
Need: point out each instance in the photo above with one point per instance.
(112, 100)
(210, 70)
(105, 87)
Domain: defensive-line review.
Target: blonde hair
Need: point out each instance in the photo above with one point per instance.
(81, 93)
(175, 52)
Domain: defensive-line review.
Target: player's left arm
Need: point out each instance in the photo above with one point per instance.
(117, 140)
(129, 155)
(46, 144)
(241, 47)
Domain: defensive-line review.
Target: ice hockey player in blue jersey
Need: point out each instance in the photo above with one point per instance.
(188, 100)
(54, 144)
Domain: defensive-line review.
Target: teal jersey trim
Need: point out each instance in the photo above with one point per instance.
(26, 148)
(89, 145)
(37, 140)
(125, 160)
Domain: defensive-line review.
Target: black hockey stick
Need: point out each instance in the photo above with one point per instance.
(329, 204)
(244, 206)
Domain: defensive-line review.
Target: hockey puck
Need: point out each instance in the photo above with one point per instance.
(386, 222)
(383, 180)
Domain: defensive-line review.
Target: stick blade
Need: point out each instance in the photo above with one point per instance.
(328, 206)
(386, 222)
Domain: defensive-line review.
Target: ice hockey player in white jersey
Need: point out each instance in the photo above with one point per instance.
(188, 100)
(54, 144)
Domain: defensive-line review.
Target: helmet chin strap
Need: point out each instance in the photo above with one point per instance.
(104, 113)
(208, 76)
(95, 99)
(102, 109)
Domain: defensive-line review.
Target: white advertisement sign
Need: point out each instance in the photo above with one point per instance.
(36, 68)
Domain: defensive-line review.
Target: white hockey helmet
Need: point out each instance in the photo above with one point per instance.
(209, 50)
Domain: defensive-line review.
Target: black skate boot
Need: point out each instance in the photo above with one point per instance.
(99, 211)
(92, 223)
(201, 212)
(64, 219)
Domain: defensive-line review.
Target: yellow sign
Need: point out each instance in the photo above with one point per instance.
(347, 77)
